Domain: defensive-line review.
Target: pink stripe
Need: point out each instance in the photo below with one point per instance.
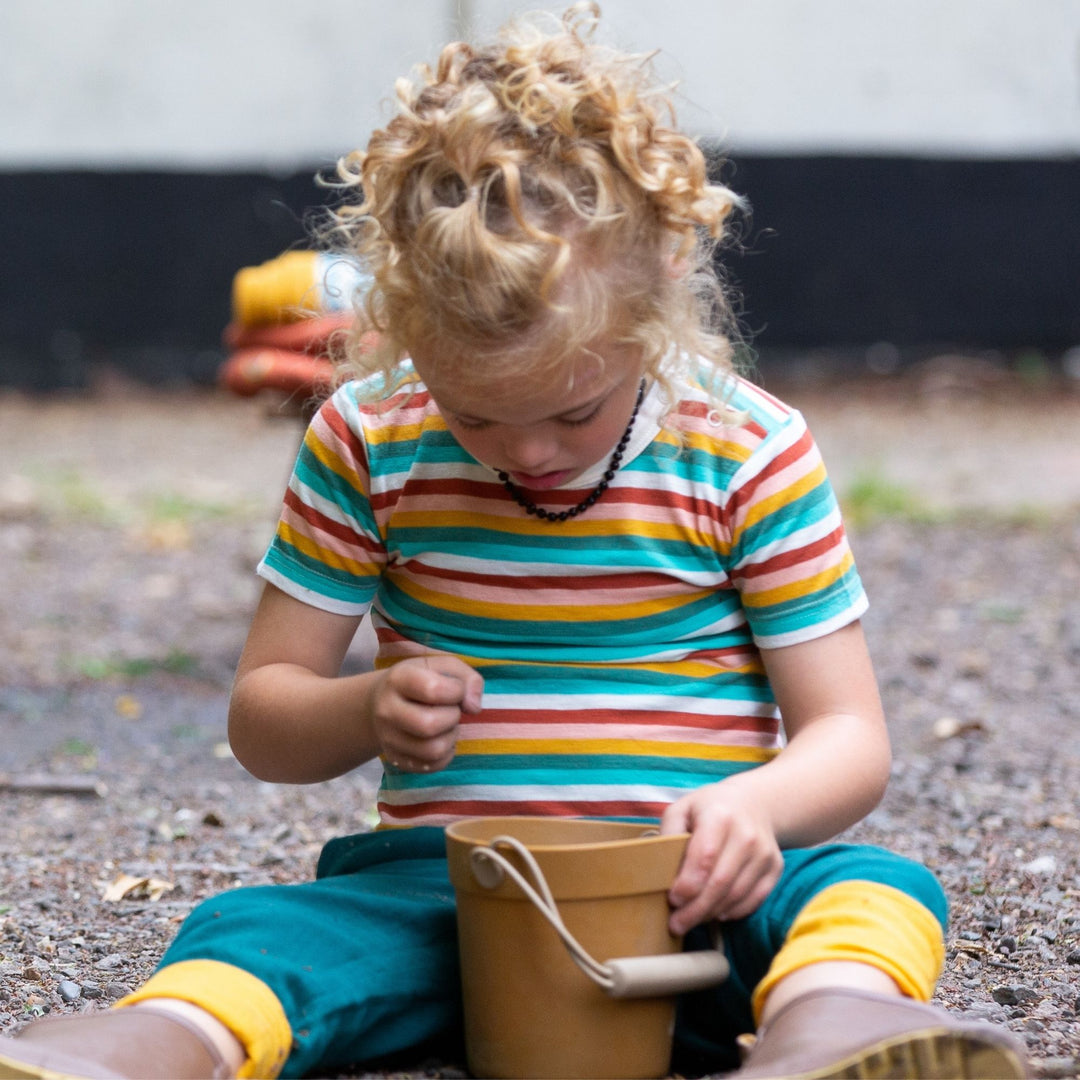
(639, 733)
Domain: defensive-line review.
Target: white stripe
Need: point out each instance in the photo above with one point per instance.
(306, 596)
(817, 630)
(540, 793)
(530, 701)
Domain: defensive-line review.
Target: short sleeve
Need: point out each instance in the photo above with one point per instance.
(789, 556)
(327, 550)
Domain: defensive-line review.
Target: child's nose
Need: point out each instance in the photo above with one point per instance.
(528, 451)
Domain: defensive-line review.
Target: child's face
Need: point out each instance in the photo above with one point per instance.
(545, 430)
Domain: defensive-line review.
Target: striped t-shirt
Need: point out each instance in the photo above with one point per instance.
(619, 649)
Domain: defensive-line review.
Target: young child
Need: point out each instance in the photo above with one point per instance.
(608, 577)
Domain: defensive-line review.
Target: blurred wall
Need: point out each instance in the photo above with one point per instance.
(912, 166)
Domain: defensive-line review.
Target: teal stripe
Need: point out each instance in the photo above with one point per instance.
(670, 625)
(808, 509)
(692, 465)
(546, 679)
(335, 489)
(568, 771)
(816, 607)
(318, 576)
(642, 553)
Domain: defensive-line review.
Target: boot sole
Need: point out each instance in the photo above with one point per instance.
(16, 1069)
(928, 1055)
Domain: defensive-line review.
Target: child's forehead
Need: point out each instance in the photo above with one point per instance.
(487, 388)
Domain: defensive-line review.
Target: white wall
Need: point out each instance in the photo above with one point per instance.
(281, 83)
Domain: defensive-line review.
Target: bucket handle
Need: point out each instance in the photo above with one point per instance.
(628, 977)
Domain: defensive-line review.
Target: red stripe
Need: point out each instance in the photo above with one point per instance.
(532, 808)
(619, 495)
(336, 529)
(833, 541)
(589, 581)
(351, 447)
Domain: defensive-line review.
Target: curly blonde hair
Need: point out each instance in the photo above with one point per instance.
(531, 197)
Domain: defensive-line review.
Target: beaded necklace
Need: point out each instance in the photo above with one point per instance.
(590, 500)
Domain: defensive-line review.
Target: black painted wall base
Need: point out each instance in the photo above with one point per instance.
(133, 270)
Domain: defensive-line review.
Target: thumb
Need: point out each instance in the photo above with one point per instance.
(473, 699)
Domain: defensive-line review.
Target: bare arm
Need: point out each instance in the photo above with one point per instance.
(294, 719)
(831, 774)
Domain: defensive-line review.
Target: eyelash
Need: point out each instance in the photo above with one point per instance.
(583, 419)
(479, 425)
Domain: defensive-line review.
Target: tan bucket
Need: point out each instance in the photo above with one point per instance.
(586, 992)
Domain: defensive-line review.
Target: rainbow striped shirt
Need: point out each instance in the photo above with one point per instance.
(619, 649)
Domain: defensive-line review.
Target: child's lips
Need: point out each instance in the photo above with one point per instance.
(541, 481)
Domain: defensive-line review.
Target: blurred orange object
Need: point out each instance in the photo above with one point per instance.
(290, 319)
(249, 371)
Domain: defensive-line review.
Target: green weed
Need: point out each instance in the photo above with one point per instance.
(873, 497)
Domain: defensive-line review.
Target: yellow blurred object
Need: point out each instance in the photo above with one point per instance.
(294, 286)
(281, 290)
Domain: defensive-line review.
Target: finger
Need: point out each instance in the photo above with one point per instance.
(422, 730)
(699, 863)
(675, 819)
(746, 894)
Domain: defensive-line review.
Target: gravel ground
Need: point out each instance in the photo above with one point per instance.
(129, 525)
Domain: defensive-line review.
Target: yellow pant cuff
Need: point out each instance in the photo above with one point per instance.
(243, 1003)
(865, 922)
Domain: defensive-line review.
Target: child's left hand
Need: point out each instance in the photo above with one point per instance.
(733, 858)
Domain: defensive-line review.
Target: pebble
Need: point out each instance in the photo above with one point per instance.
(1044, 864)
(1073, 957)
(1012, 995)
(68, 990)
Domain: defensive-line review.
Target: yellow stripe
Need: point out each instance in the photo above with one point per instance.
(719, 448)
(327, 558)
(777, 501)
(514, 609)
(332, 461)
(527, 526)
(629, 747)
(697, 669)
(399, 432)
(802, 587)
(243, 1003)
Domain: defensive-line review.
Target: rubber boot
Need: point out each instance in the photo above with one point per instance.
(121, 1044)
(849, 1033)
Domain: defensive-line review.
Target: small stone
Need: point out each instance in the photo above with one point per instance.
(1044, 864)
(111, 962)
(1073, 957)
(1013, 995)
(68, 990)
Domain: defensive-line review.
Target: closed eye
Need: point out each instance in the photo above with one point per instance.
(470, 422)
(575, 421)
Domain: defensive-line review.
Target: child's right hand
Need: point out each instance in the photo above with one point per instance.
(416, 706)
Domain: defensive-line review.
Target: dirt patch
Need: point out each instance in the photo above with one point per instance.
(129, 527)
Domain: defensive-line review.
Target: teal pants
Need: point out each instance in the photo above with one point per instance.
(364, 958)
